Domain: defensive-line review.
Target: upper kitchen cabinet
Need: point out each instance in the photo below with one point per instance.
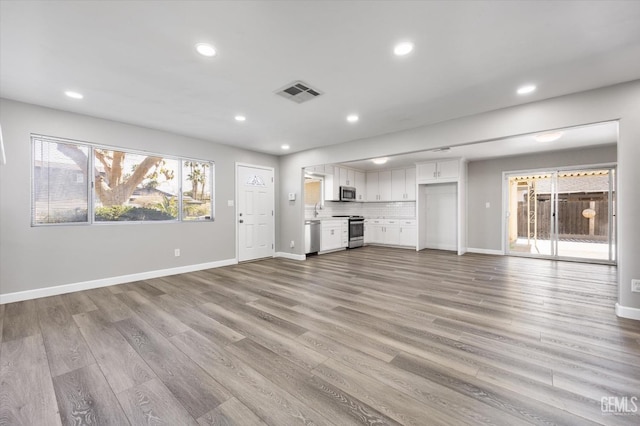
(403, 184)
(361, 186)
(336, 176)
(315, 169)
(347, 176)
(379, 186)
(438, 171)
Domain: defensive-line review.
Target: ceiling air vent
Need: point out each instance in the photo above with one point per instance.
(298, 92)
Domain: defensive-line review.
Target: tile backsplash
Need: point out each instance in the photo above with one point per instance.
(396, 209)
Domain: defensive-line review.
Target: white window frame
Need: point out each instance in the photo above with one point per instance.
(90, 182)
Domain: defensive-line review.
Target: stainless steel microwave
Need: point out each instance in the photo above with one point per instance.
(347, 193)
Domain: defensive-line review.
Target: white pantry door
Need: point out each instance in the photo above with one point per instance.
(255, 212)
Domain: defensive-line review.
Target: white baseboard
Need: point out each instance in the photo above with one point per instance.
(290, 255)
(485, 251)
(626, 312)
(104, 282)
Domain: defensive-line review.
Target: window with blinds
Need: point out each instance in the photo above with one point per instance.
(60, 186)
(125, 186)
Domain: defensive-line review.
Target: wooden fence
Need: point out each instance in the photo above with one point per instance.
(572, 224)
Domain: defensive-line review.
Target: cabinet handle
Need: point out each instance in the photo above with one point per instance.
(438, 174)
(434, 174)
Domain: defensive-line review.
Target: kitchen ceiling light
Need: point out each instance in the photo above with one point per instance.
(380, 160)
(74, 95)
(206, 50)
(352, 118)
(240, 118)
(525, 90)
(285, 147)
(549, 136)
(402, 49)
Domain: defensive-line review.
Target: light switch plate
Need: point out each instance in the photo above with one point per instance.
(292, 196)
(229, 203)
(635, 286)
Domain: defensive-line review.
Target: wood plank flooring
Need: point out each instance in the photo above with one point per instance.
(368, 336)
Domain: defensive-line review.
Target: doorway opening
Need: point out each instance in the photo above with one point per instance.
(562, 214)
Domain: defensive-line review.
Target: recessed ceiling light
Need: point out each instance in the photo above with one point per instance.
(444, 149)
(240, 118)
(206, 49)
(549, 136)
(352, 118)
(74, 95)
(285, 147)
(380, 160)
(525, 90)
(403, 48)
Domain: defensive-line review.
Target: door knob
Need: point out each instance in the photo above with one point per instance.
(241, 221)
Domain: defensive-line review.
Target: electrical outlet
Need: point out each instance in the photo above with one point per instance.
(635, 286)
(292, 244)
(176, 252)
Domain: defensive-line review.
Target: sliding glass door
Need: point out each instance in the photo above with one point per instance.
(566, 214)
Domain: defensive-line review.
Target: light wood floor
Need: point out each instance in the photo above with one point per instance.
(373, 335)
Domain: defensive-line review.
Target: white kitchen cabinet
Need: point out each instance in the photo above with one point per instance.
(373, 231)
(395, 232)
(403, 184)
(379, 186)
(438, 171)
(331, 188)
(368, 234)
(397, 185)
(410, 183)
(373, 192)
(329, 169)
(408, 233)
(347, 176)
(361, 186)
(333, 235)
(319, 169)
(384, 185)
(391, 232)
(344, 242)
(336, 176)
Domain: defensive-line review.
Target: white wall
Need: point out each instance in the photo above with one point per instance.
(41, 257)
(621, 102)
(485, 185)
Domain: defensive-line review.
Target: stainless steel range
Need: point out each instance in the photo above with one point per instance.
(356, 230)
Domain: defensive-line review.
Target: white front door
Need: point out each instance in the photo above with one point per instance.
(255, 212)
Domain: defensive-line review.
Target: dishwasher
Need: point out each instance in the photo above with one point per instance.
(311, 236)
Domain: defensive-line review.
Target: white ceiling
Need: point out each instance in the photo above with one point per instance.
(135, 62)
(576, 137)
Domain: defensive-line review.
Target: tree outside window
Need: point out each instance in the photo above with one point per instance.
(128, 186)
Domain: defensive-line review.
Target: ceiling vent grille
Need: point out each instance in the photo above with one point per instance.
(298, 92)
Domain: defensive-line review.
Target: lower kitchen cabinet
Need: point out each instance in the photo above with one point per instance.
(334, 234)
(394, 232)
(408, 233)
(374, 231)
